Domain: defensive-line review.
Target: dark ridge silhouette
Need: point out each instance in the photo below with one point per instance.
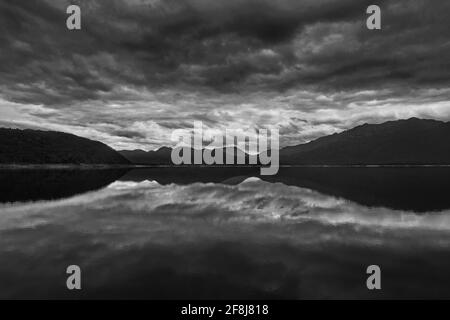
(33, 185)
(404, 142)
(49, 147)
(162, 156)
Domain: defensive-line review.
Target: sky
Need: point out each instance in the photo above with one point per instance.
(139, 69)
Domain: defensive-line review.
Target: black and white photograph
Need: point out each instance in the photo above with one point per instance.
(224, 150)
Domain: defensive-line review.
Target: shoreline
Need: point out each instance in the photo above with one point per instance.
(143, 166)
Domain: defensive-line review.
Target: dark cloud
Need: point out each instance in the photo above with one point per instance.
(218, 44)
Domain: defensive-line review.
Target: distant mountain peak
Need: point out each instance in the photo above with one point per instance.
(164, 149)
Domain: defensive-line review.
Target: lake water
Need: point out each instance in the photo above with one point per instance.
(221, 233)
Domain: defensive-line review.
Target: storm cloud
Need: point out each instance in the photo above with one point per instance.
(140, 68)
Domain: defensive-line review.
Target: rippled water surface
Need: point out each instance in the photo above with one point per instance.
(170, 233)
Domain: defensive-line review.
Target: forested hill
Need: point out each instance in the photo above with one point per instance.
(49, 147)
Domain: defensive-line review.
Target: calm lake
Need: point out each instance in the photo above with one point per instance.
(225, 233)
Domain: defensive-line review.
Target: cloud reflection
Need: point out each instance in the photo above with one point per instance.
(203, 240)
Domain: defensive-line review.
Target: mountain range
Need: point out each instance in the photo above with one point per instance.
(162, 156)
(402, 142)
(413, 141)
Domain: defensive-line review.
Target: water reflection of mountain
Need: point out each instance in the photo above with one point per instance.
(32, 185)
(187, 175)
(418, 189)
